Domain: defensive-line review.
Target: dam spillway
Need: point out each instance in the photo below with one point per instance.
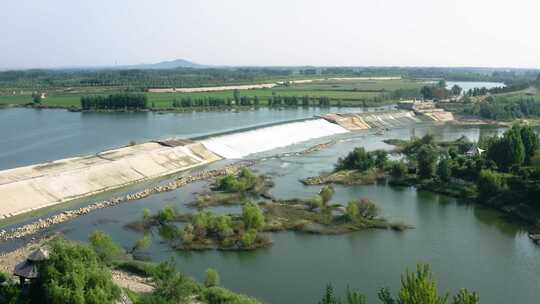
(33, 187)
(238, 145)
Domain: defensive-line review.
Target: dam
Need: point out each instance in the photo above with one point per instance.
(37, 186)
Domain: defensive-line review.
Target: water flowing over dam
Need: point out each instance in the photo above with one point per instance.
(33, 187)
(238, 145)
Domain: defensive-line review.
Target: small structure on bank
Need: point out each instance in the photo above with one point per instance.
(29, 268)
(474, 151)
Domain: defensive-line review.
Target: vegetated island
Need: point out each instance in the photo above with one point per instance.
(499, 172)
(232, 189)
(251, 229)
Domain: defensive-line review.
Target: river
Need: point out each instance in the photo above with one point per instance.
(467, 246)
(469, 85)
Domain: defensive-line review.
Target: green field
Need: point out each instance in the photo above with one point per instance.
(531, 92)
(359, 85)
(346, 92)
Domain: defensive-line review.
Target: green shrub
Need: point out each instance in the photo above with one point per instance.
(244, 182)
(248, 239)
(398, 170)
(10, 293)
(326, 194)
(172, 285)
(489, 183)
(104, 247)
(352, 211)
(466, 297)
(212, 278)
(74, 274)
(252, 216)
(167, 214)
(218, 295)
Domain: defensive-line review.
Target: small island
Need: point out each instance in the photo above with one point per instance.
(252, 228)
(233, 189)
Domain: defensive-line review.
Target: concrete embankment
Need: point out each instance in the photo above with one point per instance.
(33, 187)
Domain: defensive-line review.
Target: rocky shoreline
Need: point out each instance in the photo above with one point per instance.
(42, 224)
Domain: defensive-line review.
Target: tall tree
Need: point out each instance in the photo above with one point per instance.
(508, 150)
(426, 158)
(443, 170)
(456, 90)
(236, 96)
(530, 141)
(420, 288)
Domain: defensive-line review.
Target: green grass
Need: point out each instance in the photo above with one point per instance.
(530, 92)
(350, 92)
(360, 85)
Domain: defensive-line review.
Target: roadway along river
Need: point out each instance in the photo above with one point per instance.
(467, 246)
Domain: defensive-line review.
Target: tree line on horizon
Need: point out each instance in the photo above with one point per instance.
(140, 80)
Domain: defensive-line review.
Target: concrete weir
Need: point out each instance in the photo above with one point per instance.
(33, 187)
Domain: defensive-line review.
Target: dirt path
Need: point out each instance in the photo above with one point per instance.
(132, 282)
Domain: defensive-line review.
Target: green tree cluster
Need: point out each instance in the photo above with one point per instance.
(515, 148)
(245, 181)
(206, 224)
(74, 274)
(120, 101)
(362, 160)
(361, 210)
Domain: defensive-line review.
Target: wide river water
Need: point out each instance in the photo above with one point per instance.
(466, 245)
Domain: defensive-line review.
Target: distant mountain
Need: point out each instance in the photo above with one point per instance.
(173, 64)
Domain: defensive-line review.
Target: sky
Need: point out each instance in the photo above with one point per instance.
(63, 33)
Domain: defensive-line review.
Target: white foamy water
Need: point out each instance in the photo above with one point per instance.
(238, 145)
